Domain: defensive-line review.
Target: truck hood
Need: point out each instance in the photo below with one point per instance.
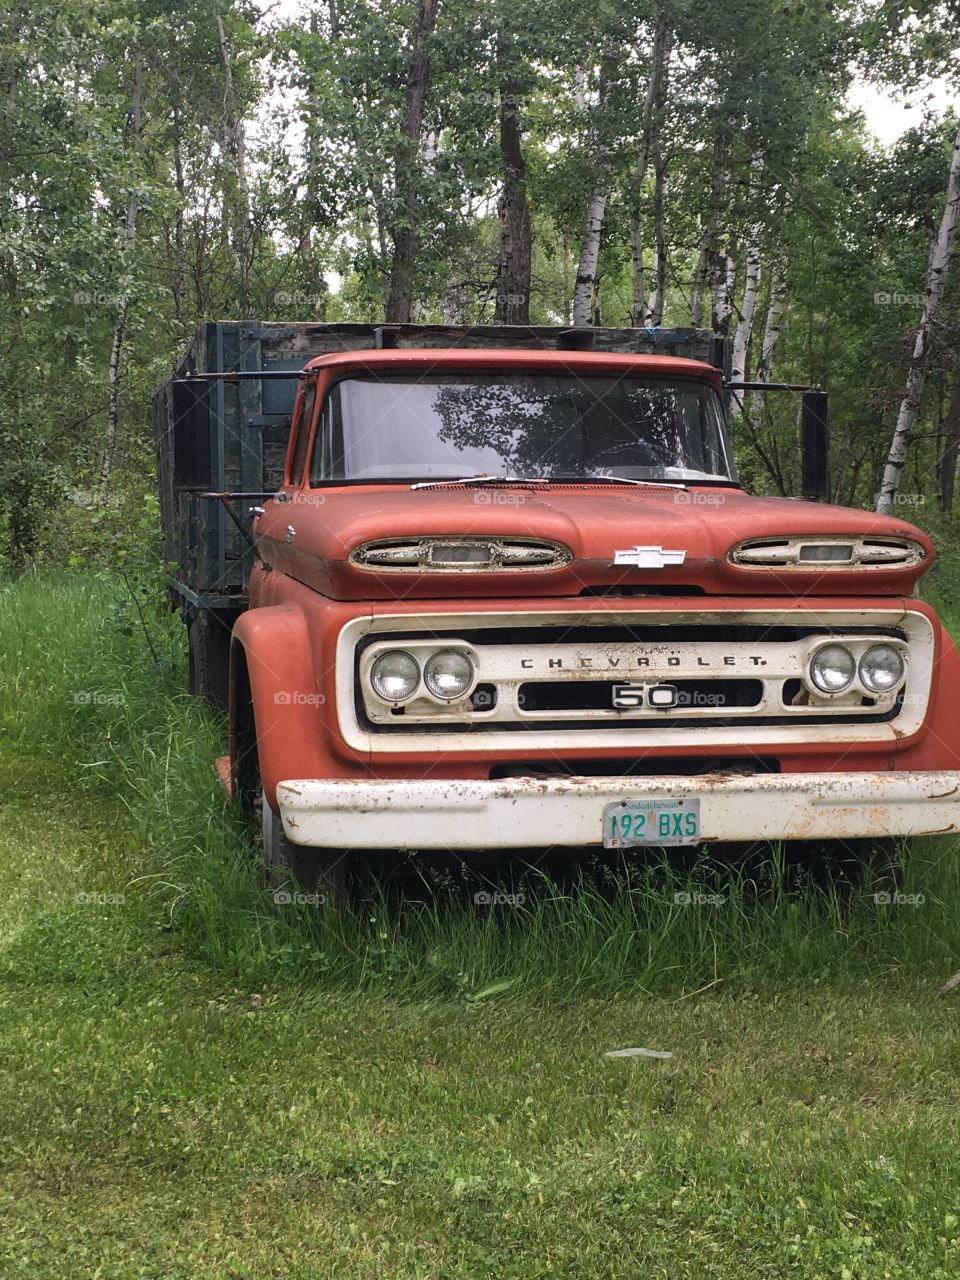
(312, 536)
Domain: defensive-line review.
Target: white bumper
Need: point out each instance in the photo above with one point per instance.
(524, 813)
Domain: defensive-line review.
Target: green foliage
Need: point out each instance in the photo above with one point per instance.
(262, 179)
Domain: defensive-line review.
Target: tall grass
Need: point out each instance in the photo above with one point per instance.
(89, 708)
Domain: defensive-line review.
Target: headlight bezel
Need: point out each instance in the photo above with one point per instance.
(880, 693)
(857, 647)
(811, 667)
(441, 653)
(394, 650)
(421, 652)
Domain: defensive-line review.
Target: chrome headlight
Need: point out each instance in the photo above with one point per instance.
(395, 675)
(449, 674)
(832, 668)
(881, 668)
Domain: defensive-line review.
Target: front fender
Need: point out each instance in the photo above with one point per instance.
(272, 663)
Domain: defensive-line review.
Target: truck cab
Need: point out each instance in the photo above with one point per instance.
(514, 598)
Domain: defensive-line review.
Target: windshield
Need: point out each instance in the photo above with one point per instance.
(534, 425)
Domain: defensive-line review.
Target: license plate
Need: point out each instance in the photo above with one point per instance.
(629, 823)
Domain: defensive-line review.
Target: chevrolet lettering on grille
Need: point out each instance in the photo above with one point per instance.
(641, 662)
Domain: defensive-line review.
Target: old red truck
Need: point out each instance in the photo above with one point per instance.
(508, 593)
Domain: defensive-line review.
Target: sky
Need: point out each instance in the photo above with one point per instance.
(888, 115)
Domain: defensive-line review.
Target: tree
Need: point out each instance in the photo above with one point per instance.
(406, 166)
(938, 265)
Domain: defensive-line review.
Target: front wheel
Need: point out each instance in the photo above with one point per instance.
(299, 873)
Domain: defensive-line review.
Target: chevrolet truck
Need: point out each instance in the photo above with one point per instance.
(492, 588)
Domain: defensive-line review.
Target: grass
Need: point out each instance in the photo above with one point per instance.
(196, 1083)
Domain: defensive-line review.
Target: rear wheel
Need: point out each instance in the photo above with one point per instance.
(209, 661)
(300, 873)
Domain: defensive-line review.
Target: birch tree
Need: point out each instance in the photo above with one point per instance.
(938, 265)
(748, 307)
(706, 270)
(514, 258)
(400, 296)
(237, 222)
(650, 123)
(123, 302)
(771, 335)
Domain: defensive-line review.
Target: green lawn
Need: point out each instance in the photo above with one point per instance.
(191, 1087)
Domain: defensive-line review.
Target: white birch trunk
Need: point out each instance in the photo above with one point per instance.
(751, 288)
(586, 278)
(771, 334)
(724, 288)
(655, 302)
(119, 328)
(639, 287)
(709, 241)
(937, 268)
(741, 341)
(589, 256)
(234, 144)
(656, 89)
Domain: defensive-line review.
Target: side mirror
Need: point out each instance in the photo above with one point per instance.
(814, 445)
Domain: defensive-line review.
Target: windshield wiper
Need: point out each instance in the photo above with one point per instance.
(481, 478)
(608, 479)
(559, 479)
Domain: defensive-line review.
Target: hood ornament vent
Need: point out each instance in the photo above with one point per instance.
(459, 555)
(831, 551)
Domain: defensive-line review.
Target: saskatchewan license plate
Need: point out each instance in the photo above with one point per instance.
(629, 823)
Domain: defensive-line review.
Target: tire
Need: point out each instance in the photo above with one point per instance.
(209, 662)
(300, 873)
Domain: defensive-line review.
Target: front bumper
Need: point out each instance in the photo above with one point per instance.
(525, 813)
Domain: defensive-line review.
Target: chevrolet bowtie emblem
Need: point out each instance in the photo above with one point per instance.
(648, 557)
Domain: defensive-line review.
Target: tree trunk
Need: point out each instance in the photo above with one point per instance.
(723, 288)
(741, 341)
(513, 264)
(655, 302)
(947, 460)
(400, 297)
(771, 334)
(585, 304)
(586, 284)
(179, 252)
(709, 242)
(937, 268)
(651, 120)
(239, 229)
(119, 328)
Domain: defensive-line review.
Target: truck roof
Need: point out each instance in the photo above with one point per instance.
(584, 362)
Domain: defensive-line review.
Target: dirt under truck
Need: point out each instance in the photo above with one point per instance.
(500, 588)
